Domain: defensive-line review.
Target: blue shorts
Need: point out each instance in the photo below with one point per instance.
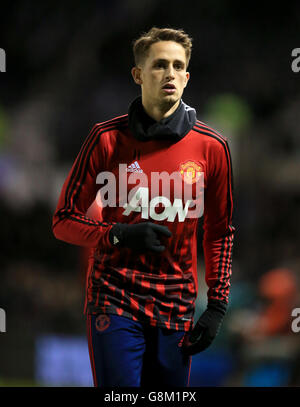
(124, 352)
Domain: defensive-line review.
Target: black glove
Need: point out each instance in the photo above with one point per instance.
(140, 236)
(206, 328)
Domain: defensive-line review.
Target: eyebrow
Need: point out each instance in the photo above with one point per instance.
(166, 60)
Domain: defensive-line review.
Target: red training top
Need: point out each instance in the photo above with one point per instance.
(160, 289)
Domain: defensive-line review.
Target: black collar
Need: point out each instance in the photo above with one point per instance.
(174, 127)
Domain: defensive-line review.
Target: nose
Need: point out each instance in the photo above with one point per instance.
(170, 72)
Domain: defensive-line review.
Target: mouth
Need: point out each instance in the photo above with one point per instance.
(169, 88)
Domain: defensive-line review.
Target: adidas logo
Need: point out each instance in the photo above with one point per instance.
(134, 167)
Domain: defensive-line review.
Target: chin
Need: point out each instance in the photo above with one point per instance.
(169, 101)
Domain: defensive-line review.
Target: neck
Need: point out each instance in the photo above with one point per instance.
(158, 112)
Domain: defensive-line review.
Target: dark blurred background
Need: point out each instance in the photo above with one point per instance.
(68, 67)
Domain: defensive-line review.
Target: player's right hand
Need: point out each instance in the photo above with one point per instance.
(140, 237)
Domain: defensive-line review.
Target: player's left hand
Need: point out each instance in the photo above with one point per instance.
(205, 330)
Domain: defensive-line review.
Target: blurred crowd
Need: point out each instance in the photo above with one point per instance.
(68, 67)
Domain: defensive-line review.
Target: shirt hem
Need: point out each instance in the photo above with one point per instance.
(154, 322)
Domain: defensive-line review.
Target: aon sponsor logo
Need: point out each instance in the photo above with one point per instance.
(139, 202)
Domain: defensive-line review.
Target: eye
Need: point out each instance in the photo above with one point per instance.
(159, 65)
(178, 66)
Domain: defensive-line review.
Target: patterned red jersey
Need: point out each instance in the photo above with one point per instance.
(159, 289)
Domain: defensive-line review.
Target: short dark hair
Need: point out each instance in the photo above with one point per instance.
(143, 43)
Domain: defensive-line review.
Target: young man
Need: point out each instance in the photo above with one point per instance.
(159, 166)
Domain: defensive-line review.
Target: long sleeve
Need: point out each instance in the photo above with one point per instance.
(218, 229)
(70, 222)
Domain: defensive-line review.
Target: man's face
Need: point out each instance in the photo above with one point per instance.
(162, 75)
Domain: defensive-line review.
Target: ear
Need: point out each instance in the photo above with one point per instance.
(187, 77)
(136, 74)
